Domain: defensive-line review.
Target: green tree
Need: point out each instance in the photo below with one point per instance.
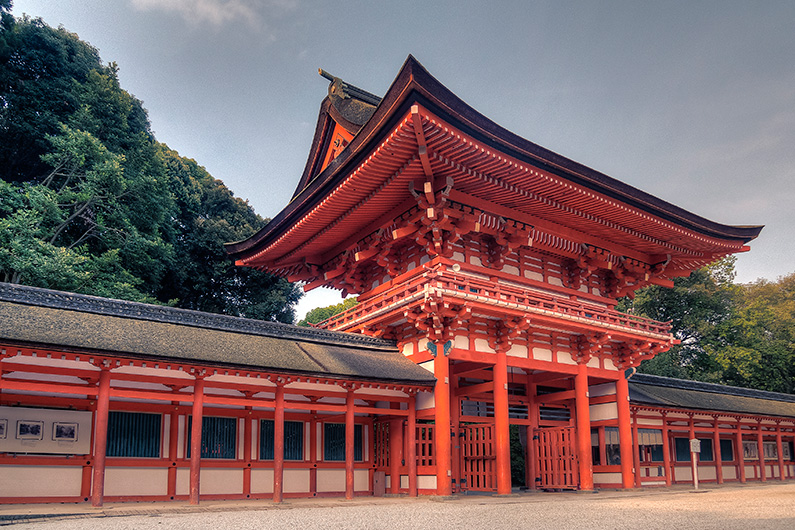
(319, 314)
(760, 346)
(202, 276)
(697, 307)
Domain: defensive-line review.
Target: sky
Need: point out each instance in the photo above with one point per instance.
(691, 101)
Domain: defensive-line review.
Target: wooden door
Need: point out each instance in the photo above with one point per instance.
(556, 458)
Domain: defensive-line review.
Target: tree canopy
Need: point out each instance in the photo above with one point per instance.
(742, 335)
(90, 202)
(319, 314)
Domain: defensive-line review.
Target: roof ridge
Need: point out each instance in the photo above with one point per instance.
(41, 297)
(716, 388)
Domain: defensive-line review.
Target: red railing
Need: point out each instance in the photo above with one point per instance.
(470, 288)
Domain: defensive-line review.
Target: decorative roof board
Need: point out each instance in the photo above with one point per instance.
(45, 318)
(694, 395)
(414, 85)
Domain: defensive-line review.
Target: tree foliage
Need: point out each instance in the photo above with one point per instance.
(319, 314)
(90, 202)
(741, 335)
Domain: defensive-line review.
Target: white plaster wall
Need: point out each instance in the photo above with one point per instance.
(40, 481)
(683, 473)
(425, 400)
(607, 478)
(510, 269)
(361, 479)
(183, 481)
(217, 480)
(646, 422)
(404, 481)
(426, 482)
(262, 481)
(542, 354)
(729, 472)
(608, 364)
(408, 349)
(707, 472)
(136, 481)
(749, 472)
(533, 275)
(483, 345)
(461, 342)
(605, 389)
(593, 362)
(295, 481)
(330, 480)
(48, 417)
(603, 411)
(428, 365)
(565, 358)
(518, 350)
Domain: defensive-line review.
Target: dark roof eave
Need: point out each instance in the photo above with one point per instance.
(414, 83)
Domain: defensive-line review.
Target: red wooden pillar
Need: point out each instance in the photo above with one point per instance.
(761, 450)
(582, 406)
(441, 432)
(624, 431)
(412, 445)
(780, 452)
(716, 453)
(196, 439)
(740, 452)
(278, 445)
(635, 450)
(313, 425)
(395, 454)
(502, 429)
(455, 440)
(530, 456)
(349, 436)
(247, 453)
(666, 451)
(173, 444)
(101, 437)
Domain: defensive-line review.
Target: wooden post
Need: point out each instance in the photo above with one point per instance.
(530, 454)
(780, 452)
(313, 426)
(502, 429)
(716, 452)
(693, 455)
(173, 444)
(624, 431)
(761, 450)
(101, 437)
(441, 431)
(666, 451)
(582, 406)
(247, 453)
(278, 445)
(196, 439)
(740, 452)
(349, 444)
(412, 445)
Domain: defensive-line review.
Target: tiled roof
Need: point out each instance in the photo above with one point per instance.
(695, 395)
(43, 317)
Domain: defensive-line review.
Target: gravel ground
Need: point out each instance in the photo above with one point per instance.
(762, 506)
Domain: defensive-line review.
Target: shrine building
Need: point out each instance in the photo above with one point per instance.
(487, 271)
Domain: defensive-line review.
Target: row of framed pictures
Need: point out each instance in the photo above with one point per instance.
(34, 430)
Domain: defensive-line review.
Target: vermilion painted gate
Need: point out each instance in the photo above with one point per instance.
(556, 456)
(478, 466)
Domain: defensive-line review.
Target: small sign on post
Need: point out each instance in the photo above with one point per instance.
(695, 449)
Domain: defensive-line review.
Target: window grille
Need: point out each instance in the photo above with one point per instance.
(219, 437)
(334, 442)
(293, 440)
(133, 434)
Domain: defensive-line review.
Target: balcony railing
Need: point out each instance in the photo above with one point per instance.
(467, 288)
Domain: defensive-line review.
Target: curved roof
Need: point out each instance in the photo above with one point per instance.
(569, 185)
(41, 318)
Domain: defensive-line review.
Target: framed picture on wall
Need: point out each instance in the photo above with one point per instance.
(64, 432)
(3, 429)
(30, 430)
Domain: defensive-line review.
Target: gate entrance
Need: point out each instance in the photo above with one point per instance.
(556, 458)
(478, 460)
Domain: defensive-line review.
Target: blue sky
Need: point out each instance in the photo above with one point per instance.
(693, 102)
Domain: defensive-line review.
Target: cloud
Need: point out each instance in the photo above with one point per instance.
(216, 13)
